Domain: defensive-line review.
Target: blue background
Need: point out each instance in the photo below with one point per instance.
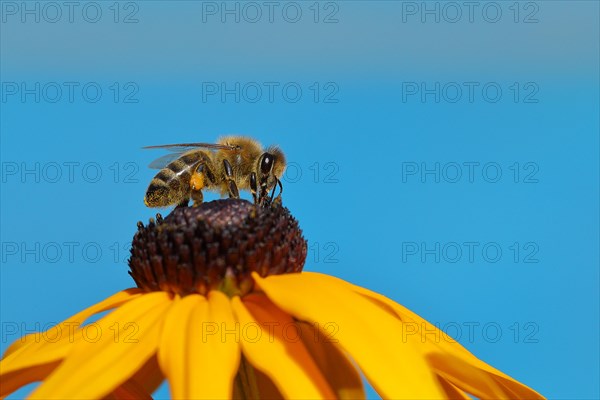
(348, 182)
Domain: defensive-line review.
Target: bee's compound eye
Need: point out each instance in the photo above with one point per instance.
(266, 164)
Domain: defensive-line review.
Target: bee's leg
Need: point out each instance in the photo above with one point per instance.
(196, 185)
(183, 203)
(263, 194)
(198, 197)
(263, 197)
(253, 187)
(231, 186)
(201, 172)
(280, 190)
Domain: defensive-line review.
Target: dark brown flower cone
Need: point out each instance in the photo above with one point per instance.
(216, 246)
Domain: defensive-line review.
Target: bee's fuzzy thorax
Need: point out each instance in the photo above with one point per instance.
(215, 245)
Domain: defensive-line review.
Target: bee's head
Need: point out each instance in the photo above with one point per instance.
(271, 165)
(269, 169)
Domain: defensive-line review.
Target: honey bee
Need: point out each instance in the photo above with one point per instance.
(234, 163)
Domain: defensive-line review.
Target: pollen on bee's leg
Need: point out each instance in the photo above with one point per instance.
(197, 181)
(216, 246)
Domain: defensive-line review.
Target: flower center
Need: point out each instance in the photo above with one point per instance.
(216, 246)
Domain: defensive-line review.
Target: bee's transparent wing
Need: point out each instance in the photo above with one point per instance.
(177, 150)
(163, 161)
(183, 147)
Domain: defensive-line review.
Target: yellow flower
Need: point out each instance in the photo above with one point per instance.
(259, 329)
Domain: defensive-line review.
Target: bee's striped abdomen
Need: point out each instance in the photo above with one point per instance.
(172, 184)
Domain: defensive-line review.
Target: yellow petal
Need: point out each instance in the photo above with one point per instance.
(337, 368)
(269, 347)
(149, 376)
(173, 345)
(40, 353)
(199, 359)
(452, 392)
(516, 389)
(223, 346)
(127, 339)
(370, 335)
(54, 344)
(451, 357)
(14, 380)
(68, 325)
(466, 377)
(130, 390)
(443, 343)
(266, 388)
